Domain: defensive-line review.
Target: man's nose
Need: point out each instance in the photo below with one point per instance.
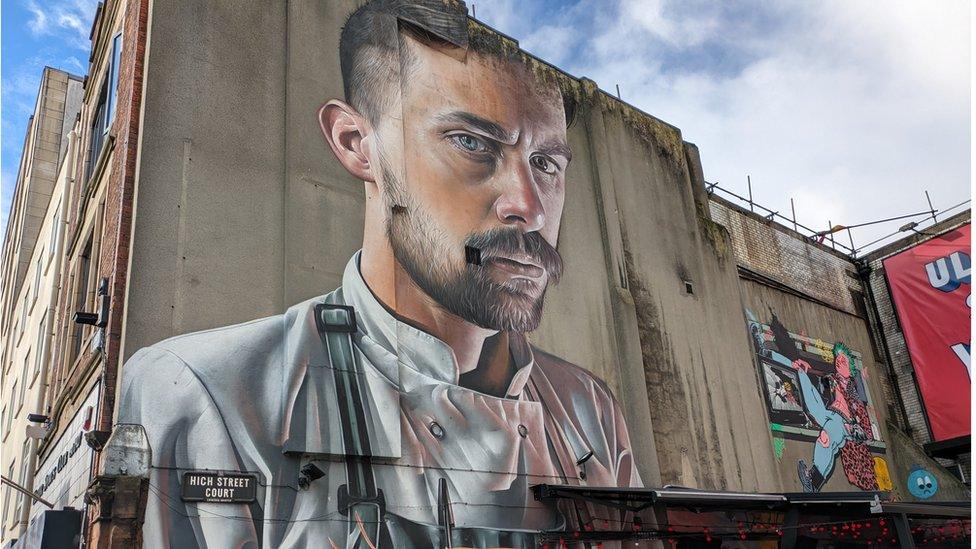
(519, 204)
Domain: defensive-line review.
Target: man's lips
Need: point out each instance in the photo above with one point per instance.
(522, 267)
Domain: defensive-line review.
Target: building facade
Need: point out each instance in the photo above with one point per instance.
(31, 280)
(240, 278)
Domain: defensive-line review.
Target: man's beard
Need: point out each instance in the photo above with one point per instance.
(425, 252)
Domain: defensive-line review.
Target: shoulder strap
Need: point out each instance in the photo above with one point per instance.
(358, 499)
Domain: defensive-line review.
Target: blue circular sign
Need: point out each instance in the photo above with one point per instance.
(922, 484)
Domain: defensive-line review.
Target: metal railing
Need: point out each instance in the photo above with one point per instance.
(827, 237)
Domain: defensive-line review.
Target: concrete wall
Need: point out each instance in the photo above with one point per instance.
(207, 245)
(790, 260)
(241, 211)
(804, 316)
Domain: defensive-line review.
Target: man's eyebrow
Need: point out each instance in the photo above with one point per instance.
(557, 148)
(489, 128)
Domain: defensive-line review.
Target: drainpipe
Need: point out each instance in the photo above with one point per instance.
(53, 287)
(864, 273)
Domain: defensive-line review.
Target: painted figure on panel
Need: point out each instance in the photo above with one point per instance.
(841, 428)
(818, 391)
(405, 408)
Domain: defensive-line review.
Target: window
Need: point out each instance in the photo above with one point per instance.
(113, 77)
(7, 491)
(97, 134)
(81, 294)
(23, 315)
(13, 398)
(9, 419)
(37, 277)
(3, 421)
(24, 464)
(55, 233)
(42, 341)
(104, 111)
(23, 379)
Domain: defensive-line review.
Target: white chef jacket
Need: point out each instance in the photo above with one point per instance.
(261, 397)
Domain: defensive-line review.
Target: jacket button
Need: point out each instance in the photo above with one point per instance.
(523, 431)
(436, 429)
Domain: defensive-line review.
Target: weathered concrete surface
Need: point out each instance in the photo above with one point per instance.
(693, 345)
(241, 210)
(906, 455)
(207, 245)
(803, 315)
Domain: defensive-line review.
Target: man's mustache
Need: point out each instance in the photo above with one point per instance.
(513, 242)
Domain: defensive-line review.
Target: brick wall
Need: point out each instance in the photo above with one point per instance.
(787, 257)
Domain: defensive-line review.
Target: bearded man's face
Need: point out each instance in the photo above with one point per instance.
(474, 206)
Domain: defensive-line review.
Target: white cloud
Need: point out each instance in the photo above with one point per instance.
(66, 20)
(73, 63)
(38, 24)
(680, 30)
(853, 108)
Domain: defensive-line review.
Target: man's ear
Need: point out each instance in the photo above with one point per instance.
(347, 131)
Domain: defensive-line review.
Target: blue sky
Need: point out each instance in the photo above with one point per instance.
(34, 34)
(852, 107)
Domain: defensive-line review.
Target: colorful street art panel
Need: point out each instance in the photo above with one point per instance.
(816, 392)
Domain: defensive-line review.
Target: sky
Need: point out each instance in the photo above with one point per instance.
(34, 33)
(853, 108)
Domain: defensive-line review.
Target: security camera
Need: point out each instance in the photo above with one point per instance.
(309, 474)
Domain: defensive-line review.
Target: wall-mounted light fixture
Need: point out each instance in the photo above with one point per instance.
(581, 463)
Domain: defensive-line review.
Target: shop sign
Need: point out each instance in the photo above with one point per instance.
(219, 487)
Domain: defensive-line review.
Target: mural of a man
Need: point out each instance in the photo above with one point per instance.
(407, 403)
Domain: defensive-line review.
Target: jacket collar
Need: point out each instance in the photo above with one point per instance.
(414, 348)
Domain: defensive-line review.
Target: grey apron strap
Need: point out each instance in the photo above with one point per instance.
(359, 499)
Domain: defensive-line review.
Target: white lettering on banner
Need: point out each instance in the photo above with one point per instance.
(962, 351)
(947, 273)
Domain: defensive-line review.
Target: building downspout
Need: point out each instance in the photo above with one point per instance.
(49, 324)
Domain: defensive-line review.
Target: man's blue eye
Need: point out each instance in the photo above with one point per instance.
(469, 143)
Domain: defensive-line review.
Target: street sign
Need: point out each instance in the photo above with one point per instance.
(219, 487)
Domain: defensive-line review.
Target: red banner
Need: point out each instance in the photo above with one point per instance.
(931, 290)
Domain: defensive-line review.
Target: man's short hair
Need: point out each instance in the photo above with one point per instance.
(370, 47)
(370, 42)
